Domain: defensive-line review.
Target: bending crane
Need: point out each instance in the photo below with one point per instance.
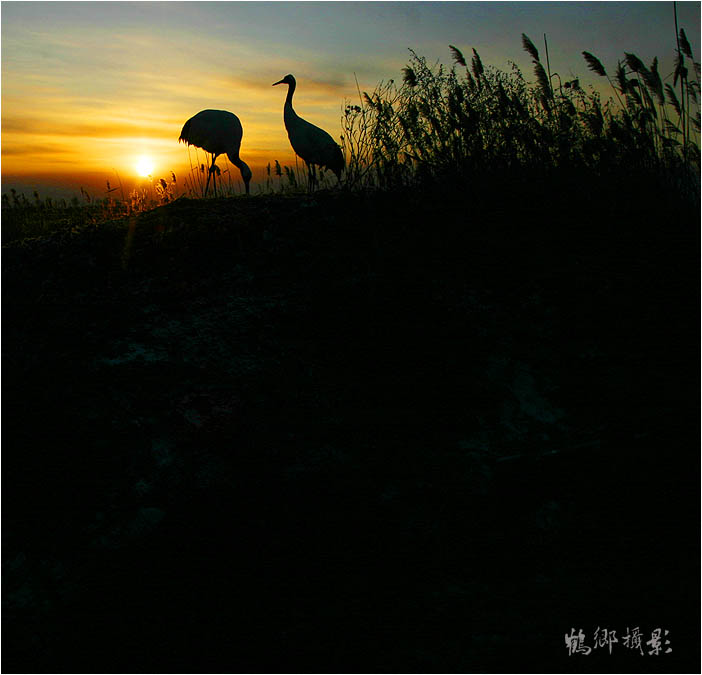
(217, 132)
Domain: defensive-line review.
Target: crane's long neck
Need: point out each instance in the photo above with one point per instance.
(242, 166)
(288, 113)
(235, 160)
(291, 91)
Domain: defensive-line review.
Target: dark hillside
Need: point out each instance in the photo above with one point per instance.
(354, 433)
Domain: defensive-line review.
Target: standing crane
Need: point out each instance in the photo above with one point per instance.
(217, 132)
(314, 145)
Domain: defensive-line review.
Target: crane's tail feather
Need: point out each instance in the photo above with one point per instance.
(185, 133)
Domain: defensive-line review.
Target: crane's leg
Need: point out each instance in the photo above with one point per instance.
(312, 177)
(210, 174)
(207, 184)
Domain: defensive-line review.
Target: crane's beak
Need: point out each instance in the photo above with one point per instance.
(281, 82)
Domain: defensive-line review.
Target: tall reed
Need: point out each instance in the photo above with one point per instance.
(452, 124)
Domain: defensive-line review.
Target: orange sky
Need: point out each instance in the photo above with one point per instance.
(85, 103)
(50, 127)
(88, 88)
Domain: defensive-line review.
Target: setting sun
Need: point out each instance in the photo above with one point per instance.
(144, 166)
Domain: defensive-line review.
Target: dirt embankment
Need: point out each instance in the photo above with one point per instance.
(348, 431)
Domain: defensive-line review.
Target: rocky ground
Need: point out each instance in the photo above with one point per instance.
(370, 433)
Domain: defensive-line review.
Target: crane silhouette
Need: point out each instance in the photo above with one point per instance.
(314, 145)
(217, 132)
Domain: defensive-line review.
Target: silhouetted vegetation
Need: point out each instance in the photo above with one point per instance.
(22, 217)
(475, 122)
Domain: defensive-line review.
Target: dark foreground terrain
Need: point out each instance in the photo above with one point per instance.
(355, 433)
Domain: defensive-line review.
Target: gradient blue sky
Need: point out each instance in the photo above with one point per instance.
(88, 87)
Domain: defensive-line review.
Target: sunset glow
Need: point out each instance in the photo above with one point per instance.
(83, 83)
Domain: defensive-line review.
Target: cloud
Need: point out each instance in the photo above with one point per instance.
(98, 129)
(50, 151)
